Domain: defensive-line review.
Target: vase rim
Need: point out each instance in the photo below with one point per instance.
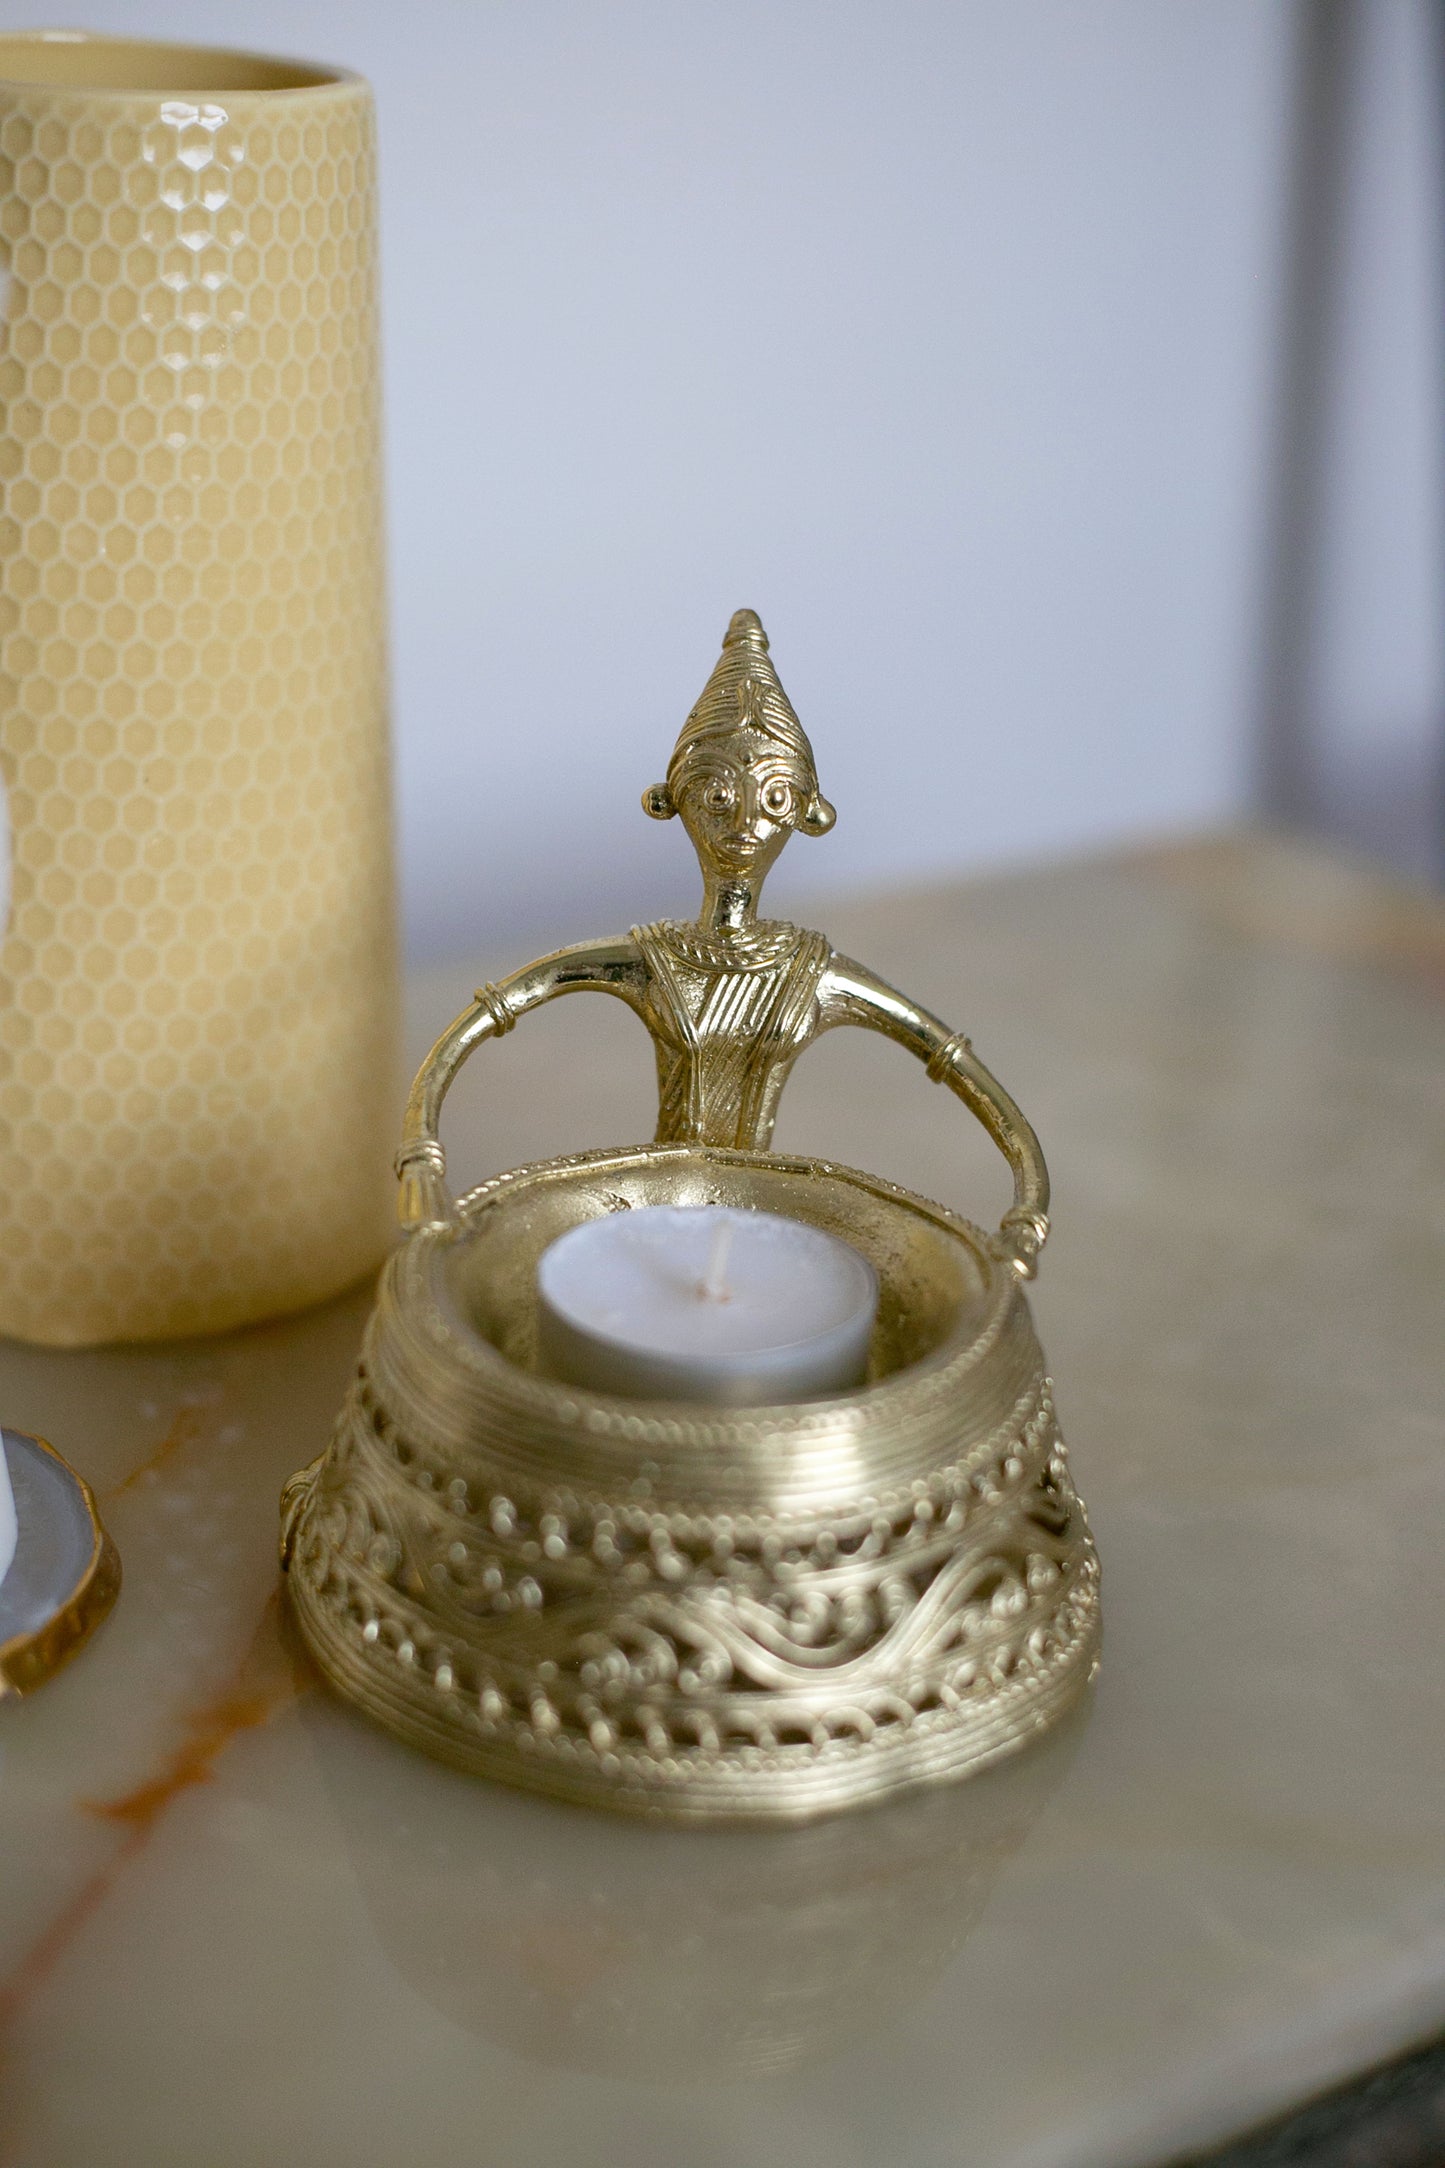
(95, 64)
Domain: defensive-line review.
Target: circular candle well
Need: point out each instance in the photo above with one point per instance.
(705, 1303)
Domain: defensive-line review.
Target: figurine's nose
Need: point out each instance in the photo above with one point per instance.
(751, 819)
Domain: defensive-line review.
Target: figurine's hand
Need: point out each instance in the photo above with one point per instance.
(422, 1170)
(1023, 1234)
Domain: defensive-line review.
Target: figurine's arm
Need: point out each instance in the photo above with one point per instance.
(598, 967)
(852, 995)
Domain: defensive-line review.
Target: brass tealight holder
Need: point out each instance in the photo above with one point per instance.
(704, 1613)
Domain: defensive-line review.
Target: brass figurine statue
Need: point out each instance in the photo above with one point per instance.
(709, 1614)
(731, 1000)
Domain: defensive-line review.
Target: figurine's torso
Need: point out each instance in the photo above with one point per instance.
(729, 1019)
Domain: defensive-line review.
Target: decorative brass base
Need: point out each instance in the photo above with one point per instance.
(706, 1614)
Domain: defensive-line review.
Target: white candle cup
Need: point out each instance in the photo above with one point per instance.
(56, 1562)
(8, 1528)
(705, 1303)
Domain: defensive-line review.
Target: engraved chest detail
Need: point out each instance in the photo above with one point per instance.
(728, 1023)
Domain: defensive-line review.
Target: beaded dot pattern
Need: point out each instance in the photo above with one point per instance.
(197, 982)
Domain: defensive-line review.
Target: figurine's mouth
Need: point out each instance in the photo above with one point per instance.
(739, 850)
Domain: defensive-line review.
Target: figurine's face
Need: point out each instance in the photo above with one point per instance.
(741, 800)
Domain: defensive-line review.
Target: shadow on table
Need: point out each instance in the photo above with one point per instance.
(641, 1951)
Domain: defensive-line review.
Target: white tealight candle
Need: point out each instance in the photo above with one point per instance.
(705, 1302)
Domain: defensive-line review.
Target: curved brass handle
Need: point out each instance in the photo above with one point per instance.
(421, 1162)
(1024, 1228)
(1023, 1234)
(423, 1199)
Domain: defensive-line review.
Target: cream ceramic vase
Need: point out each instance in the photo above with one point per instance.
(197, 981)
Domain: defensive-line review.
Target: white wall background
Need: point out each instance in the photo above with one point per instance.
(940, 331)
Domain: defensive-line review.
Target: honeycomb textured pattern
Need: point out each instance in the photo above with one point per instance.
(197, 984)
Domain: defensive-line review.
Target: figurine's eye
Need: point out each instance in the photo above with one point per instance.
(718, 796)
(777, 798)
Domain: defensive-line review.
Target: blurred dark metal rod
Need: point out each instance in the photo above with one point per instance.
(1436, 10)
(1326, 34)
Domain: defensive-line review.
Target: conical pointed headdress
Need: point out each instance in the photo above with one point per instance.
(744, 693)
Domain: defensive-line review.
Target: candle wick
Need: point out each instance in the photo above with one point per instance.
(713, 1287)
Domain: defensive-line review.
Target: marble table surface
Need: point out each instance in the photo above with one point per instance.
(239, 1927)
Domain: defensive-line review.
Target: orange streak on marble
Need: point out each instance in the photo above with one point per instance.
(266, 1681)
(187, 1426)
(212, 1731)
(46, 1951)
